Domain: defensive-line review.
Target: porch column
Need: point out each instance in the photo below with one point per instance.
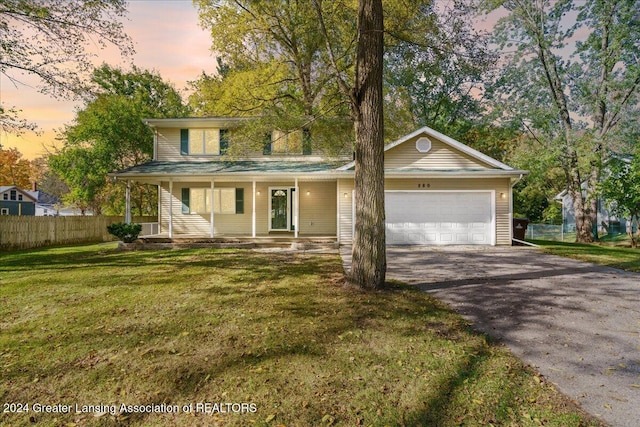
(159, 209)
(170, 208)
(127, 204)
(253, 210)
(338, 211)
(296, 210)
(212, 231)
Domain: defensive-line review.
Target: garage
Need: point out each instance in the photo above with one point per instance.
(440, 217)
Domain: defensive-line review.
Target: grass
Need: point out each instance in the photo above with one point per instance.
(89, 325)
(624, 258)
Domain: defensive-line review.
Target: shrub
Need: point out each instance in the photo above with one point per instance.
(125, 232)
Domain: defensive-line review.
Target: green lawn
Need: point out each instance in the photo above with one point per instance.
(279, 333)
(604, 254)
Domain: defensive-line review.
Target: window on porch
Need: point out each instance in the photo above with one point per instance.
(225, 200)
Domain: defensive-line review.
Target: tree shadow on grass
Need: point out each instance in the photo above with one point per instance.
(268, 315)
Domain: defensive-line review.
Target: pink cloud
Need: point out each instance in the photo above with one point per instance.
(167, 38)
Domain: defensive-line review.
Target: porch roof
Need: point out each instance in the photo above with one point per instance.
(239, 167)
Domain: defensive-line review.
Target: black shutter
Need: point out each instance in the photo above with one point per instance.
(185, 201)
(239, 200)
(266, 148)
(306, 142)
(184, 141)
(224, 141)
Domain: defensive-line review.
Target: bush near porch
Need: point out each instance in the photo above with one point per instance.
(90, 325)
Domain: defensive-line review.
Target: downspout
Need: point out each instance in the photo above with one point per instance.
(127, 204)
(170, 208)
(253, 209)
(155, 144)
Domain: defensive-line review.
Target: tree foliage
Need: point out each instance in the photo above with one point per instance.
(47, 179)
(574, 106)
(282, 42)
(621, 189)
(14, 170)
(109, 134)
(55, 41)
(273, 67)
(281, 62)
(434, 76)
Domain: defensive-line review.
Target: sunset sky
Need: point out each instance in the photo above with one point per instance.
(167, 38)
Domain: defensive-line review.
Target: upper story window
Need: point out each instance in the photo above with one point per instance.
(13, 195)
(295, 142)
(204, 142)
(5, 196)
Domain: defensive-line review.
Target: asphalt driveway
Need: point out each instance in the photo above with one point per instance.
(577, 323)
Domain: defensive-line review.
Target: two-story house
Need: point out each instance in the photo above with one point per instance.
(16, 201)
(438, 191)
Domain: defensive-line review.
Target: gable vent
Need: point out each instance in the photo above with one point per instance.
(423, 145)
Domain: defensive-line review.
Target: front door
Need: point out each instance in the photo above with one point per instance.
(282, 205)
(279, 209)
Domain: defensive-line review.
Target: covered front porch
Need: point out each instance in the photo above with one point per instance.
(263, 211)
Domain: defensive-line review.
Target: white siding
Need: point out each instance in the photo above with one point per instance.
(224, 224)
(168, 150)
(318, 208)
(499, 185)
(441, 156)
(345, 212)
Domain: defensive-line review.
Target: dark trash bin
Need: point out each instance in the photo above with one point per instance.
(519, 229)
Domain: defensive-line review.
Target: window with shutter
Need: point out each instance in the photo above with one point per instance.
(239, 200)
(306, 142)
(185, 201)
(184, 141)
(224, 141)
(197, 201)
(207, 142)
(266, 149)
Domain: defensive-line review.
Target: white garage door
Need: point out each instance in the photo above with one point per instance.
(439, 218)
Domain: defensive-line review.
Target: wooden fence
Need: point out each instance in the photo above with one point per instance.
(24, 232)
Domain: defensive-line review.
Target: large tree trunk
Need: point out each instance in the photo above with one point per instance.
(584, 222)
(369, 260)
(581, 205)
(592, 200)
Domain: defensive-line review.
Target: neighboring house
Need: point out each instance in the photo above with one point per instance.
(46, 205)
(608, 223)
(72, 211)
(16, 201)
(438, 191)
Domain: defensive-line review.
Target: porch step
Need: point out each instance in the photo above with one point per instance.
(305, 244)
